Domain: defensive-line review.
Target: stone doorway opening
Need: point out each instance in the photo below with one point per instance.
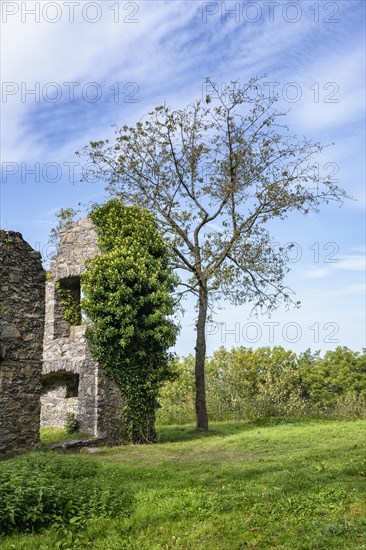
(59, 397)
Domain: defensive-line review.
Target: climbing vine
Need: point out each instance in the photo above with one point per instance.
(128, 295)
(72, 312)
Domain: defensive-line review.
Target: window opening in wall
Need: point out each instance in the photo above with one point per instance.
(67, 311)
(63, 384)
(84, 316)
(59, 397)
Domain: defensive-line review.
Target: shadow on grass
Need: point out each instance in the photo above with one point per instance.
(173, 434)
(50, 436)
(176, 434)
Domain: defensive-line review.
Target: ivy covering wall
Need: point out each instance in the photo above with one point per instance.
(128, 296)
(72, 311)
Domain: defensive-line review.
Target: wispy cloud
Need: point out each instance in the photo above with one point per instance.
(316, 273)
(167, 54)
(351, 262)
(354, 289)
(360, 248)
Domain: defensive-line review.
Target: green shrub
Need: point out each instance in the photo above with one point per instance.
(325, 381)
(71, 424)
(176, 398)
(346, 406)
(247, 384)
(38, 491)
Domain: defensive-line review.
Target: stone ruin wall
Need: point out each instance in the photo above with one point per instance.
(32, 328)
(67, 360)
(22, 295)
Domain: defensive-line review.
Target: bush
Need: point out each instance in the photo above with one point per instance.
(38, 491)
(176, 398)
(247, 384)
(338, 375)
(349, 406)
(71, 424)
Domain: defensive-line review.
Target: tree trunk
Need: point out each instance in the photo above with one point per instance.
(201, 410)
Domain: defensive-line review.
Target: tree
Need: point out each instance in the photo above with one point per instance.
(339, 373)
(215, 174)
(128, 296)
(254, 383)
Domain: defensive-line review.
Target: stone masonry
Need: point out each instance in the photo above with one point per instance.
(22, 295)
(72, 379)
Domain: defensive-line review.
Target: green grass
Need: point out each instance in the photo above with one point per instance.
(291, 485)
(57, 435)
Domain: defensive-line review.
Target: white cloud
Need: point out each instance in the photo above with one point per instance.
(351, 262)
(167, 53)
(105, 52)
(333, 92)
(354, 289)
(316, 273)
(360, 248)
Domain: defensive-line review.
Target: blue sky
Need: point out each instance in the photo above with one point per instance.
(313, 55)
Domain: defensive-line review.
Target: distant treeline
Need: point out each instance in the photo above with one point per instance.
(243, 383)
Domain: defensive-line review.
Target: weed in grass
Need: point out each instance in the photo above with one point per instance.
(291, 486)
(38, 491)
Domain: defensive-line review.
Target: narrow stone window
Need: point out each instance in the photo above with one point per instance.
(67, 292)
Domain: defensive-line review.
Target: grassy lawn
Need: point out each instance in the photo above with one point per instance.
(294, 485)
(57, 435)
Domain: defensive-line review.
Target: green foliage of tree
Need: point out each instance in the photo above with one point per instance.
(215, 174)
(339, 373)
(128, 296)
(243, 384)
(251, 383)
(176, 397)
